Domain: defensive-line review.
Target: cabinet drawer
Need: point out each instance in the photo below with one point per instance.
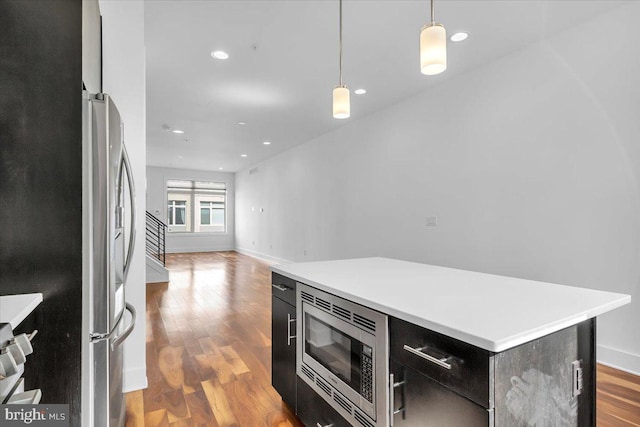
(314, 411)
(422, 402)
(461, 367)
(283, 288)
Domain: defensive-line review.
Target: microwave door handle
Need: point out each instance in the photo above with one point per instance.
(123, 336)
(126, 165)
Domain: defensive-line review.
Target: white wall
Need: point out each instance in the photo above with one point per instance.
(124, 79)
(190, 242)
(531, 164)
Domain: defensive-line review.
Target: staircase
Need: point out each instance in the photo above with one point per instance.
(156, 232)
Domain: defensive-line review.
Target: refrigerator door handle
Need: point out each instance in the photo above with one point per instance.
(126, 167)
(97, 336)
(127, 331)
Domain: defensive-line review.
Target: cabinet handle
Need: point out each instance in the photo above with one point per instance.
(280, 287)
(392, 404)
(320, 425)
(290, 337)
(419, 352)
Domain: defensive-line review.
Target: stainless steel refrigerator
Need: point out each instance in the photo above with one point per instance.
(108, 243)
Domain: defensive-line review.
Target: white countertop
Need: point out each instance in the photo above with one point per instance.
(15, 308)
(492, 312)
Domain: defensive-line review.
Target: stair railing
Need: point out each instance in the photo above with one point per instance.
(156, 235)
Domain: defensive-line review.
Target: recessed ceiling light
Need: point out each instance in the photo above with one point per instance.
(177, 131)
(219, 169)
(180, 157)
(266, 143)
(242, 123)
(220, 54)
(243, 155)
(360, 91)
(458, 37)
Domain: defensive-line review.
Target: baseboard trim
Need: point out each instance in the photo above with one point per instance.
(155, 271)
(192, 249)
(134, 379)
(262, 256)
(619, 359)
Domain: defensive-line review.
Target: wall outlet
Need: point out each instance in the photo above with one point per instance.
(432, 221)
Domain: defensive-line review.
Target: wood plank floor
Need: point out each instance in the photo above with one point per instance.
(618, 401)
(209, 347)
(209, 352)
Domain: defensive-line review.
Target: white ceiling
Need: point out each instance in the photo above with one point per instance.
(284, 63)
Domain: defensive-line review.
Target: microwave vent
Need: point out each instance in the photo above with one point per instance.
(323, 304)
(363, 322)
(306, 297)
(308, 372)
(361, 419)
(323, 385)
(339, 311)
(343, 402)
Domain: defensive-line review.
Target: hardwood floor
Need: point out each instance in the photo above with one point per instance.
(209, 347)
(618, 401)
(209, 352)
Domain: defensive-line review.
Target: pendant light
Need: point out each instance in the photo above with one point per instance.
(341, 101)
(433, 47)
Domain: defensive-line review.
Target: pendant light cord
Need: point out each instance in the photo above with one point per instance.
(340, 42)
(433, 19)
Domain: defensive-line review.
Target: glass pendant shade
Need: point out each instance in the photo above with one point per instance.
(341, 102)
(433, 49)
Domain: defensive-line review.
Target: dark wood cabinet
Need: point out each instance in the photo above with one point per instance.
(41, 186)
(468, 371)
(422, 402)
(283, 330)
(443, 382)
(439, 381)
(314, 411)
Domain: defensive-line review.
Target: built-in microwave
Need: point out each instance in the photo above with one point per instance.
(342, 354)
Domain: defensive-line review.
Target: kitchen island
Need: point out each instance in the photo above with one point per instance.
(464, 348)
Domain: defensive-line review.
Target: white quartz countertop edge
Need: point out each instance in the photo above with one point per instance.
(15, 308)
(496, 346)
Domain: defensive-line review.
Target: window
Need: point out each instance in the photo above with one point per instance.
(208, 200)
(177, 212)
(212, 213)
